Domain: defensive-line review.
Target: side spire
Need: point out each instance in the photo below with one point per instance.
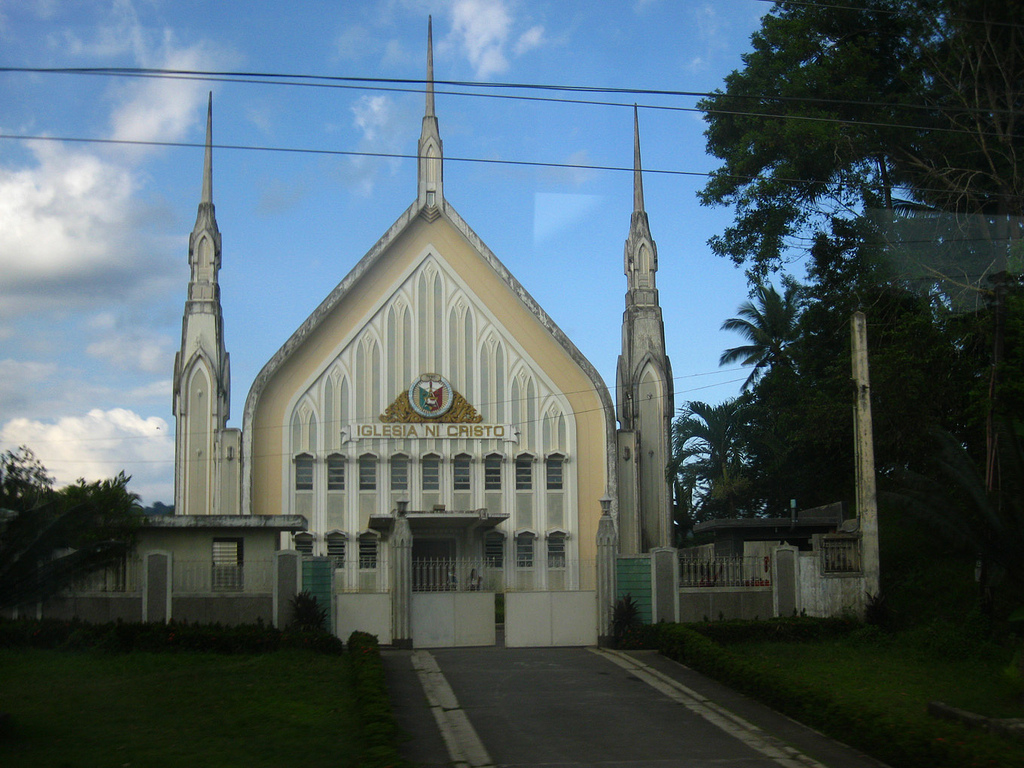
(207, 196)
(638, 177)
(430, 187)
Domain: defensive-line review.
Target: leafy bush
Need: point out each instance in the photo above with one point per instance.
(307, 615)
(379, 730)
(173, 637)
(879, 733)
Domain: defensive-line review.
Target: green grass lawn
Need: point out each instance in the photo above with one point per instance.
(899, 677)
(150, 710)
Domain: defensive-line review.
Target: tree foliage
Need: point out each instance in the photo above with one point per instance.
(49, 539)
(907, 106)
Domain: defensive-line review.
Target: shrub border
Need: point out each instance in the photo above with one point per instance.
(875, 732)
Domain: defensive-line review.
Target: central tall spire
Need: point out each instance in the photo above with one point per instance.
(430, 151)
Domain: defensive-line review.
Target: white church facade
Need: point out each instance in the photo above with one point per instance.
(429, 385)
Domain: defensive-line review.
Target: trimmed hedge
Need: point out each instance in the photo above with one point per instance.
(876, 732)
(173, 637)
(380, 732)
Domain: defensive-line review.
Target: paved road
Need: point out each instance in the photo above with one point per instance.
(576, 707)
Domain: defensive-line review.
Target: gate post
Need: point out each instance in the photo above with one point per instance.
(664, 585)
(287, 584)
(156, 587)
(607, 550)
(401, 580)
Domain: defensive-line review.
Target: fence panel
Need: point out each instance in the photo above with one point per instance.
(725, 571)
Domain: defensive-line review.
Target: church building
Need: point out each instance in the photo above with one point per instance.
(429, 383)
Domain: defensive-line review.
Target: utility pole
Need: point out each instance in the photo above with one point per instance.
(867, 496)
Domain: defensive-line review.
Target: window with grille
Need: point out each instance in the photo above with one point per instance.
(492, 472)
(524, 551)
(227, 564)
(399, 473)
(462, 472)
(431, 473)
(336, 549)
(303, 472)
(367, 552)
(368, 473)
(335, 472)
(524, 472)
(553, 467)
(304, 542)
(556, 551)
(494, 550)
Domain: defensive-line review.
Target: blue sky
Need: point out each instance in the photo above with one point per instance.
(93, 236)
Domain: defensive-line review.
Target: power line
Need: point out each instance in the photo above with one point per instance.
(387, 84)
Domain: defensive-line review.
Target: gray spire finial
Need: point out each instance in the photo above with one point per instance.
(207, 196)
(638, 180)
(430, 67)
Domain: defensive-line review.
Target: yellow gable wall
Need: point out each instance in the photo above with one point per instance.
(268, 411)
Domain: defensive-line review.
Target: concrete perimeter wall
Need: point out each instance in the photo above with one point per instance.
(826, 594)
(539, 619)
(703, 603)
(452, 619)
(366, 612)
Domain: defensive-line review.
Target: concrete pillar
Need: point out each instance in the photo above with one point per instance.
(287, 584)
(607, 552)
(785, 591)
(401, 580)
(156, 587)
(867, 498)
(664, 584)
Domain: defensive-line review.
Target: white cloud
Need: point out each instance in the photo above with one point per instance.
(383, 127)
(482, 26)
(99, 445)
(136, 349)
(530, 39)
(484, 29)
(164, 109)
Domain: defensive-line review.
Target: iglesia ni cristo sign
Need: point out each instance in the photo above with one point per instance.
(430, 409)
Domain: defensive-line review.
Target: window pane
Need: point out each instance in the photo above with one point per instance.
(462, 473)
(367, 473)
(524, 473)
(556, 552)
(399, 473)
(304, 473)
(304, 543)
(367, 552)
(431, 474)
(492, 473)
(554, 473)
(336, 549)
(335, 473)
(524, 552)
(494, 551)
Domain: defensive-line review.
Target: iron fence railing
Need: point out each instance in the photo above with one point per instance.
(198, 576)
(840, 554)
(738, 571)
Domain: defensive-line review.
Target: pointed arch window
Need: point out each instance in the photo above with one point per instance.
(554, 466)
(336, 541)
(431, 472)
(367, 472)
(462, 472)
(524, 472)
(399, 472)
(304, 542)
(336, 472)
(304, 472)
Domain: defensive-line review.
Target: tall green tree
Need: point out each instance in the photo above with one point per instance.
(769, 324)
(51, 539)
(708, 457)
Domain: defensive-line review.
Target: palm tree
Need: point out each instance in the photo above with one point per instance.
(707, 456)
(769, 323)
